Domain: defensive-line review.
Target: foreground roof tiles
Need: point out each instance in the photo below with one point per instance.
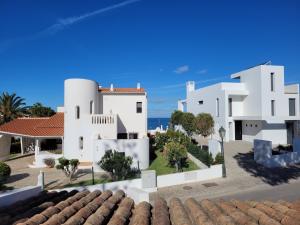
(36, 127)
(98, 208)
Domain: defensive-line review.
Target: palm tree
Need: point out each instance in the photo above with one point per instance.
(11, 107)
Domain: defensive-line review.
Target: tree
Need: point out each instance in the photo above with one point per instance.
(38, 110)
(11, 107)
(176, 154)
(188, 123)
(117, 164)
(204, 124)
(69, 167)
(176, 118)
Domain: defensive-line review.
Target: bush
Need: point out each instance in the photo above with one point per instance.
(176, 154)
(50, 162)
(219, 159)
(201, 154)
(69, 167)
(4, 171)
(171, 136)
(117, 164)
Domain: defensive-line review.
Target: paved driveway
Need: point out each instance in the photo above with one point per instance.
(243, 176)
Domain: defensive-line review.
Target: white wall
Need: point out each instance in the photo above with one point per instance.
(5, 142)
(125, 106)
(252, 129)
(138, 149)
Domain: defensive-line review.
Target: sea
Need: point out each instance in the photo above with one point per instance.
(153, 123)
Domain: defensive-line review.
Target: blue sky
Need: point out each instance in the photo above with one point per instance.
(160, 44)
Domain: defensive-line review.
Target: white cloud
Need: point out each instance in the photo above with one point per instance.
(182, 69)
(61, 25)
(203, 71)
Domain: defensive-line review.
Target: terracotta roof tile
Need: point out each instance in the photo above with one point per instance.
(96, 208)
(36, 127)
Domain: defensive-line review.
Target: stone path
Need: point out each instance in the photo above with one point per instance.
(243, 175)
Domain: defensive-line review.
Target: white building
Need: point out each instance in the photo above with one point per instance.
(92, 121)
(260, 106)
(98, 119)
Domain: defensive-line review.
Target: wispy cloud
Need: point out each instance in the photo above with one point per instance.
(179, 85)
(203, 71)
(61, 24)
(182, 69)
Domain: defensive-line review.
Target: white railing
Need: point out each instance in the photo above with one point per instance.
(103, 119)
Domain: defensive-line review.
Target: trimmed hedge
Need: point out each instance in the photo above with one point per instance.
(4, 171)
(201, 154)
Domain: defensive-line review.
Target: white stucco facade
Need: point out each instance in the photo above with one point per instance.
(98, 119)
(259, 106)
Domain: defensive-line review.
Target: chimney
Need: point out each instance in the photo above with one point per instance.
(138, 86)
(111, 87)
(190, 86)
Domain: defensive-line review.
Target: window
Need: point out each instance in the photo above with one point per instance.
(77, 109)
(272, 81)
(122, 136)
(217, 108)
(230, 107)
(91, 107)
(138, 107)
(200, 102)
(292, 106)
(81, 142)
(273, 107)
(133, 136)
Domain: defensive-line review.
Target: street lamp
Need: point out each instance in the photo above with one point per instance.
(222, 133)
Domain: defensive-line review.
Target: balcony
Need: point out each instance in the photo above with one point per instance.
(103, 119)
(105, 126)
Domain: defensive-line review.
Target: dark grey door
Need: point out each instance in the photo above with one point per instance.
(238, 129)
(290, 132)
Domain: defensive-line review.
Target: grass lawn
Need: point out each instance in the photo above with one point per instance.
(87, 182)
(160, 164)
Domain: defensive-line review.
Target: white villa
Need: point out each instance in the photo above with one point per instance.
(259, 106)
(94, 119)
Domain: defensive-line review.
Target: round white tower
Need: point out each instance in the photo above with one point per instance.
(80, 101)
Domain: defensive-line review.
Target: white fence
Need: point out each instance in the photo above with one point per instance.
(263, 154)
(133, 188)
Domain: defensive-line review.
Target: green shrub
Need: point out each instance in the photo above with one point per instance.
(69, 167)
(4, 171)
(219, 159)
(176, 154)
(201, 154)
(50, 162)
(171, 136)
(117, 164)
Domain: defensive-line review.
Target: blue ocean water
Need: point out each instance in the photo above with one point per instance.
(156, 122)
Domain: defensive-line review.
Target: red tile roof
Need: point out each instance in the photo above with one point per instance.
(122, 90)
(36, 127)
(99, 208)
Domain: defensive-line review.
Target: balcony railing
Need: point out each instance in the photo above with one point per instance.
(103, 119)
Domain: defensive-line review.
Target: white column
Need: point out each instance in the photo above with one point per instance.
(62, 145)
(22, 145)
(37, 148)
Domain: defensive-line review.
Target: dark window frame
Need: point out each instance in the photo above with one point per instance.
(292, 110)
(230, 107)
(139, 107)
(272, 81)
(272, 107)
(77, 112)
